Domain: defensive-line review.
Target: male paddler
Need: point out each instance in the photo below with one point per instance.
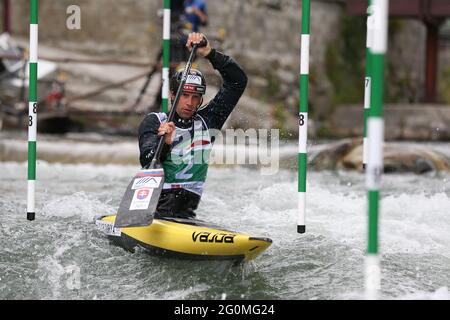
(188, 141)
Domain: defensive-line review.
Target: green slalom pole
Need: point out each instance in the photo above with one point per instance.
(376, 139)
(32, 109)
(367, 81)
(303, 116)
(166, 57)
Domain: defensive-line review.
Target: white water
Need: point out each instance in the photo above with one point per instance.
(62, 256)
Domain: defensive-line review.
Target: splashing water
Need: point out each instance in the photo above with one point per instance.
(62, 256)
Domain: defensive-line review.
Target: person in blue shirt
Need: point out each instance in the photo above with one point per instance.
(195, 13)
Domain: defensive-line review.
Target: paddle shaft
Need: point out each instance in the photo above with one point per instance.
(186, 70)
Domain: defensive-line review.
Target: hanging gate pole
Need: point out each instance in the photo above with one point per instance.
(367, 81)
(376, 139)
(303, 116)
(32, 108)
(166, 57)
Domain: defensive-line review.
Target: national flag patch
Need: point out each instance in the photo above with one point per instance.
(142, 194)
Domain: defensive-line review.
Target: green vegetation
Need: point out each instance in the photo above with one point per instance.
(444, 77)
(273, 86)
(344, 61)
(325, 132)
(400, 86)
(395, 26)
(444, 85)
(280, 116)
(345, 64)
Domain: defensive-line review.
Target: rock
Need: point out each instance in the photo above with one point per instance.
(353, 159)
(402, 158)
(328, 158)
(398, 158)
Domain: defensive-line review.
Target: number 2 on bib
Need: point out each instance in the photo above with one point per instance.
(183, 175)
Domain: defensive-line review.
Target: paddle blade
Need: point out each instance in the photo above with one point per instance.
(139, 202)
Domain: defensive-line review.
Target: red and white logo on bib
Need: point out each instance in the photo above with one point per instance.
(142, 194)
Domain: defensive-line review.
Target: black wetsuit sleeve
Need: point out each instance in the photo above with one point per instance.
(234, 83)
(148, 140)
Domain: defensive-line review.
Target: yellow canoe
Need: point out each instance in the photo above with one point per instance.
(185, 238)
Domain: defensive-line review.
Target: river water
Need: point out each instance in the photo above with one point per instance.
(61, 255)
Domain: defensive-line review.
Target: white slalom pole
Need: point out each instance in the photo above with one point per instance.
(303, 116)
(166, 57)
(32, 109)
(367, 81)
(376, 139)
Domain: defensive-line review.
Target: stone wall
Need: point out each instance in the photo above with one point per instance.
(262, 35)
(406, 61)
(119, 27)
(420, 122)
(444, 70)
(1, 16)
(265, 40)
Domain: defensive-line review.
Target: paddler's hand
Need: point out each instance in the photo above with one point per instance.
(167, 129)
(196, 38)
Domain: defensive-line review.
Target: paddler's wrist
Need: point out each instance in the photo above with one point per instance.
(211, 54)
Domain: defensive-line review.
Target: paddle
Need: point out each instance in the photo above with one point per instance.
(140, 200)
